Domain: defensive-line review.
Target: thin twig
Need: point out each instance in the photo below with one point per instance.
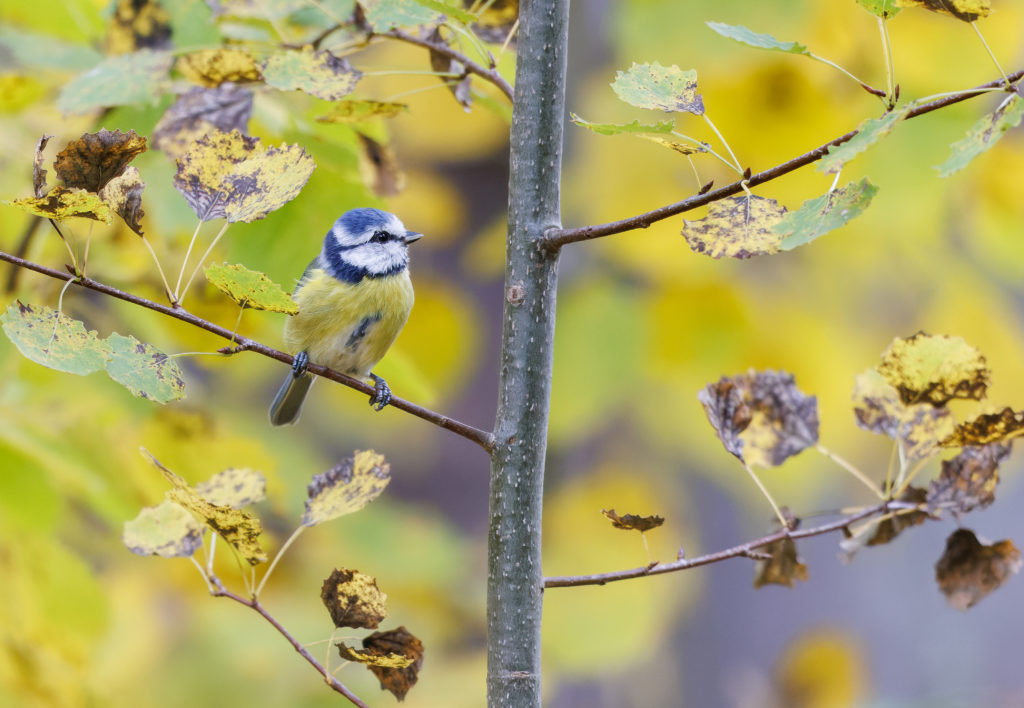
(255, 605)
(743, 550)
(556, 238)
(471, 66)
(481, 437)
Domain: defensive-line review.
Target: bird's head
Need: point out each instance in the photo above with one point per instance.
(366, 243)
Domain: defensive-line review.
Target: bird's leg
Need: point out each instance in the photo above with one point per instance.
(381, 393)
(299, 364)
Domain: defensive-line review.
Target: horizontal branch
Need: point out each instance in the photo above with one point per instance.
(557, 238)
(482, 438)
(743, 550)
(335, 684)
(471, 66)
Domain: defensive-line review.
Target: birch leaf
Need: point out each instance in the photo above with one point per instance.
(868, 133)
(666, 88)
(353, 599)
(319, 74)
(346, 487)
(53, 339)
(818, 216)
(250, 288)
(127, 79)
(144, 370)
(756, 39)
(984, 134)
(212, 67)
(737, 227)
(934, 369)
(166, 530)
(969, 569)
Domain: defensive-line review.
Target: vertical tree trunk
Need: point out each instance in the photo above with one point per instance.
(514, 590)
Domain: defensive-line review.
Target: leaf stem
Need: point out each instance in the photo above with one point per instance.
(205, 255)
(735, 162)
(764, 491)
(831, 63)
(184, 262)
(273, 564)
(167, 288)
(991, 54)
(849, 467)
(890, 68)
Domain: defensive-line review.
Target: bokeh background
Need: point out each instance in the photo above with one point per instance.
(643, 324)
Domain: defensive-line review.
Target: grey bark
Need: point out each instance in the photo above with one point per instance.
(515, 580)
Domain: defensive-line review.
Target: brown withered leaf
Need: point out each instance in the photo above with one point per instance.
(368, 658)
(38, 173)
(213, 67)
(737, 227)
(934, 369)
(124, 195)
(378, 166)
(200, 111)
(889, 528)
(396, 641)
(353, 599)
(782, 568)
(770, 421)
(987, 428)
(727, 412)
(969, 480)
(878, 409)
(96, 158)
(632, 522)
(138, 24)
(444, 64)
(966, 10)
(969, 569)
(496, 20)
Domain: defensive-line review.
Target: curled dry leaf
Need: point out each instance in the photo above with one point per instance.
(969, 480)
(444, 64)
(934, 369)
(378, 166)
(987, 428)
(632, 522)
(353, 599)
(969, 569)
(881, 531)
(737, 227)
(38, 173)
(96, 158)
(396, 641)
(123, 194)
(370, 658)
(761, 417)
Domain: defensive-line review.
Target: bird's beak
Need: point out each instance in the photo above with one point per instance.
(411, 236)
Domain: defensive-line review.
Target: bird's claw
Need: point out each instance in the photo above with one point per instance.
(381, 393)
(299, 364)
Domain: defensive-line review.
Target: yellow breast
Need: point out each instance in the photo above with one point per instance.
(348, 327)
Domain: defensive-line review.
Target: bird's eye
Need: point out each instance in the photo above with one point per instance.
(380, 237)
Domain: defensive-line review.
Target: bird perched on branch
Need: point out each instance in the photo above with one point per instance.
(354, 299)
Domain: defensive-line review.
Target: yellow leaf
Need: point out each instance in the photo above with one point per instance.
(934, 369)
(632, 522)
(966, 10)
(63, 203)
(737, 227)
(346, 487)
(213, 67)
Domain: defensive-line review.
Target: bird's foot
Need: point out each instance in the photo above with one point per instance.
(299, 364)
(381, 393)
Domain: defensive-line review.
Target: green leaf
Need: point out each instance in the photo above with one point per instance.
(319, 74)
(235, 487)
(144, 370)
(54, 340)
(868, 133)
(665, 126)
(666, 88)
(816, 217)
(139, 77)
(166, 530)
(357, 111)
(33, 51)
(984, 134)
(346, 487)
(450, 11)
(384, 15)
(881, 8)
(250, 288)
(756, 39)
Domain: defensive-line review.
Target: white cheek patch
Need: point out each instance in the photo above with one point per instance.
(377, 258)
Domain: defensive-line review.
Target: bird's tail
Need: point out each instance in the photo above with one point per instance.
(287, 403)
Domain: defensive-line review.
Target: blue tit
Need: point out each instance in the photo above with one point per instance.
(354, 299)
